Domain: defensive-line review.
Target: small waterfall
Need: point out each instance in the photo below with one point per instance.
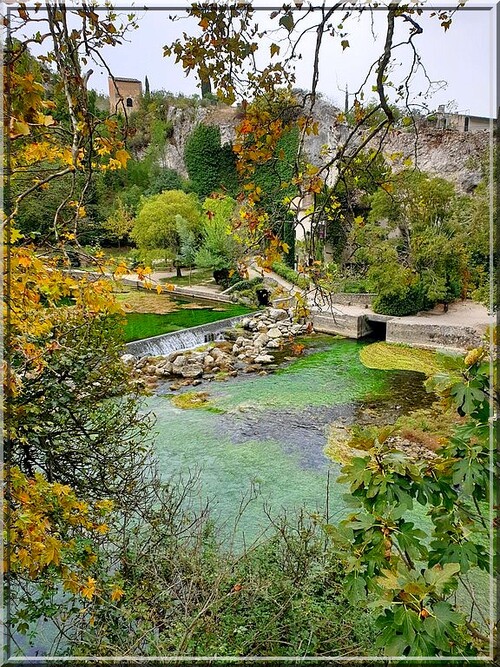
(181, 340)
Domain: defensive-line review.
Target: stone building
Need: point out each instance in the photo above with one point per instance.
(124, 91)
(461, 122)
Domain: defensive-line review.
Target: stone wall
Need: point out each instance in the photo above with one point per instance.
(346, 299)
(433, 336)
(351, 326)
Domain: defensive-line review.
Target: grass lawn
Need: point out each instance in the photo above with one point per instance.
(198, 277)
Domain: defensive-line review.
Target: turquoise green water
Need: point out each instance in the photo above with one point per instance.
(145, 325)
(270, 433)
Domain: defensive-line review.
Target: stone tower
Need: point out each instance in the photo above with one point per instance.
(129, 91)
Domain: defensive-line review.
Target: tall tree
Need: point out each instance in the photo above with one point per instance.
(228, 52)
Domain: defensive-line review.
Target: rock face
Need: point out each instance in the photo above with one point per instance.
(451, 154)
(185, 120)
(251, 350)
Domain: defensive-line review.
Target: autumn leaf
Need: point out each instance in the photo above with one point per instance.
(18, 128)
(122, 157)
(89, 588)
(117, 593)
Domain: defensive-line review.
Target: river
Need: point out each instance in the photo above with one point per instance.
(268, 433)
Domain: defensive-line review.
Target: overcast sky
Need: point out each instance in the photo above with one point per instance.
(464, 56)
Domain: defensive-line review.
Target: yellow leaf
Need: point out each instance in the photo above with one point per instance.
(88, 590)
(117, 593)
(15, 235)
(18, 128)
(159, 289)
(102, 529)
(122, 157)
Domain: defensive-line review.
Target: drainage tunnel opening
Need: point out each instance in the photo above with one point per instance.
(378, 329)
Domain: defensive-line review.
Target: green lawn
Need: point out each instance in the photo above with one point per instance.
(197, 276)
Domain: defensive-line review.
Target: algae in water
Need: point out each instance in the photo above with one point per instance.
(389, 357)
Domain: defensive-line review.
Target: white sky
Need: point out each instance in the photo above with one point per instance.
(464, 56)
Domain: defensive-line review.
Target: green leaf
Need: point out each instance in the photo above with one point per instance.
(356, 589)
(287, 22)
(441, 623)
(397, 646)
(467, 397)
(439, 576)
(408, 620)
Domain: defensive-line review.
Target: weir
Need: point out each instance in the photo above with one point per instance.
(185, 339)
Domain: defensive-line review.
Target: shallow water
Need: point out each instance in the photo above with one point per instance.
(182, 316)
(270, 433)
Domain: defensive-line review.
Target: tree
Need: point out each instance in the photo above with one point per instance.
(228, 53)
(120, 223)
(155, 226)
(188, 244)
(220, 249)
(66, 419)
(412, 244)
(167, 179)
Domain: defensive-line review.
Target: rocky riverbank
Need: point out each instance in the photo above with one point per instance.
(249, 348)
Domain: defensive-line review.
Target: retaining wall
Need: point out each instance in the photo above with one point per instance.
(433, 336)
(351, 326)
(346, 299)
(183, 339)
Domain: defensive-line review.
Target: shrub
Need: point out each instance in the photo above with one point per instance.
(408, 302)
(289, 274)
(247, 284)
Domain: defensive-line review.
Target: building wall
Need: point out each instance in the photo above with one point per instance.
(476, 124)
(129, 90)
(462, 122)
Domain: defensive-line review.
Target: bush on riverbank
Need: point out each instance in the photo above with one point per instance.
(186, 594)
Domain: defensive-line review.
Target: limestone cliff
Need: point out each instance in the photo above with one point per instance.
(451, 154)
